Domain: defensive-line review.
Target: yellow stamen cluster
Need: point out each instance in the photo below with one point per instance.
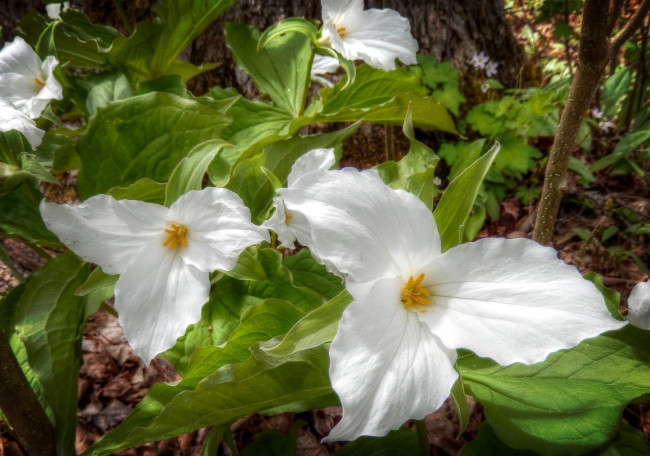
(340, 30)
(287, 217)
(413, 295)
(177, 235)
(39, 82)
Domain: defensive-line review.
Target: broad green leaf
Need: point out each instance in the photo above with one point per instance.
(515, 155)
(414, 172)
(280, 69)
(397, 443)
(249, 181)
(97, 280)
(261, 384)
(254, 124)
(628, 442)
(143, 189)
(18, 162)
(458, 199)
(315, 328)
(460, 155)
(488, 444)
(213, 440)
(49, 321)
(152, 49)
(581, 169)
(231, 298)
(570, 403)
(21, 219)
(58, 151)
(143, 136)
(188, 174)
(99, 90)
(306, 272)
(248, 267)
(289, 25)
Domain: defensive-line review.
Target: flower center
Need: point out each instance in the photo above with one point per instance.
(287, 217)
(413, 295)
(39, 82)
(340, 30)
(177, 235)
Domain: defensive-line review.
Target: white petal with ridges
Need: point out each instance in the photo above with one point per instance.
(157, 297)
(13, 119)
(107, 232)
(639, 304)
(218, 228)
(361, 226)
(385, 365)
(313, 161)
(512, 300)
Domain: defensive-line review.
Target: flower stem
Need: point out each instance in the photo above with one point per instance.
(423, 438)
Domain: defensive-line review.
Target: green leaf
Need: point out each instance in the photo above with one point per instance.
(231, 298)
(306, 272)
(290, 25)
(415, 172)
(18, 163)
(612, 297)
(188, 174)
(460, 155)
(262, 384)
(97, 280)
(143, 189)
(255, 189)
(581, 169)
(315, 328)
(488, 444)
(272, 443)
(213, 440)
(397, 443)
(152, 49)
(21, 219)
(49, 321)
(462, 408)
(143, 136)
(628, 442)
(458, 199)
(570, 403)
(99, 90)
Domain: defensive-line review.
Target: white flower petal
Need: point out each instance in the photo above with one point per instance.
(362, 227)
(639, 303)
(376, 36)
(512, 300)
(157, 297)
(13, 119)
(323, 64)
(25, 81)
(311, 162)
(385, 366)
(219, 228)
(337, 10)
(107, 232)
(279, 222)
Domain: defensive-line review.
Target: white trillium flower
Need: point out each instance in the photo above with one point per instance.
(639, 304)
(393, 356)
(25, 81)
(163, 255)
(321, 65)
(376, 36)
(54, 9)
(13, 119)
(288, 227)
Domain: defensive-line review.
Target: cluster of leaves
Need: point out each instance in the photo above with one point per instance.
(261, 344)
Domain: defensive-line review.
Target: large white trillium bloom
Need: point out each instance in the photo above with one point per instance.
(163, 255)
(25, 81)
(639, 304)
(376, 36)
(393, 355)
(288, 226)
(13, 119)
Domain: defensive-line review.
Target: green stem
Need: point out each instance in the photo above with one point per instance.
(122, 13)
(423, 438)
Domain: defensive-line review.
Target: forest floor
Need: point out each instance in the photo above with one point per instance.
(113, 379)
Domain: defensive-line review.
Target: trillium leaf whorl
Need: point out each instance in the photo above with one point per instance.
(163, 255)
(393, 355)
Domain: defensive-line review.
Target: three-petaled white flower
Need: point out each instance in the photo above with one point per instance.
(163, 255)
(393, 356)
(25, 81)
(321, 65)
(376, 36)
(639, 304)
(13, 119)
